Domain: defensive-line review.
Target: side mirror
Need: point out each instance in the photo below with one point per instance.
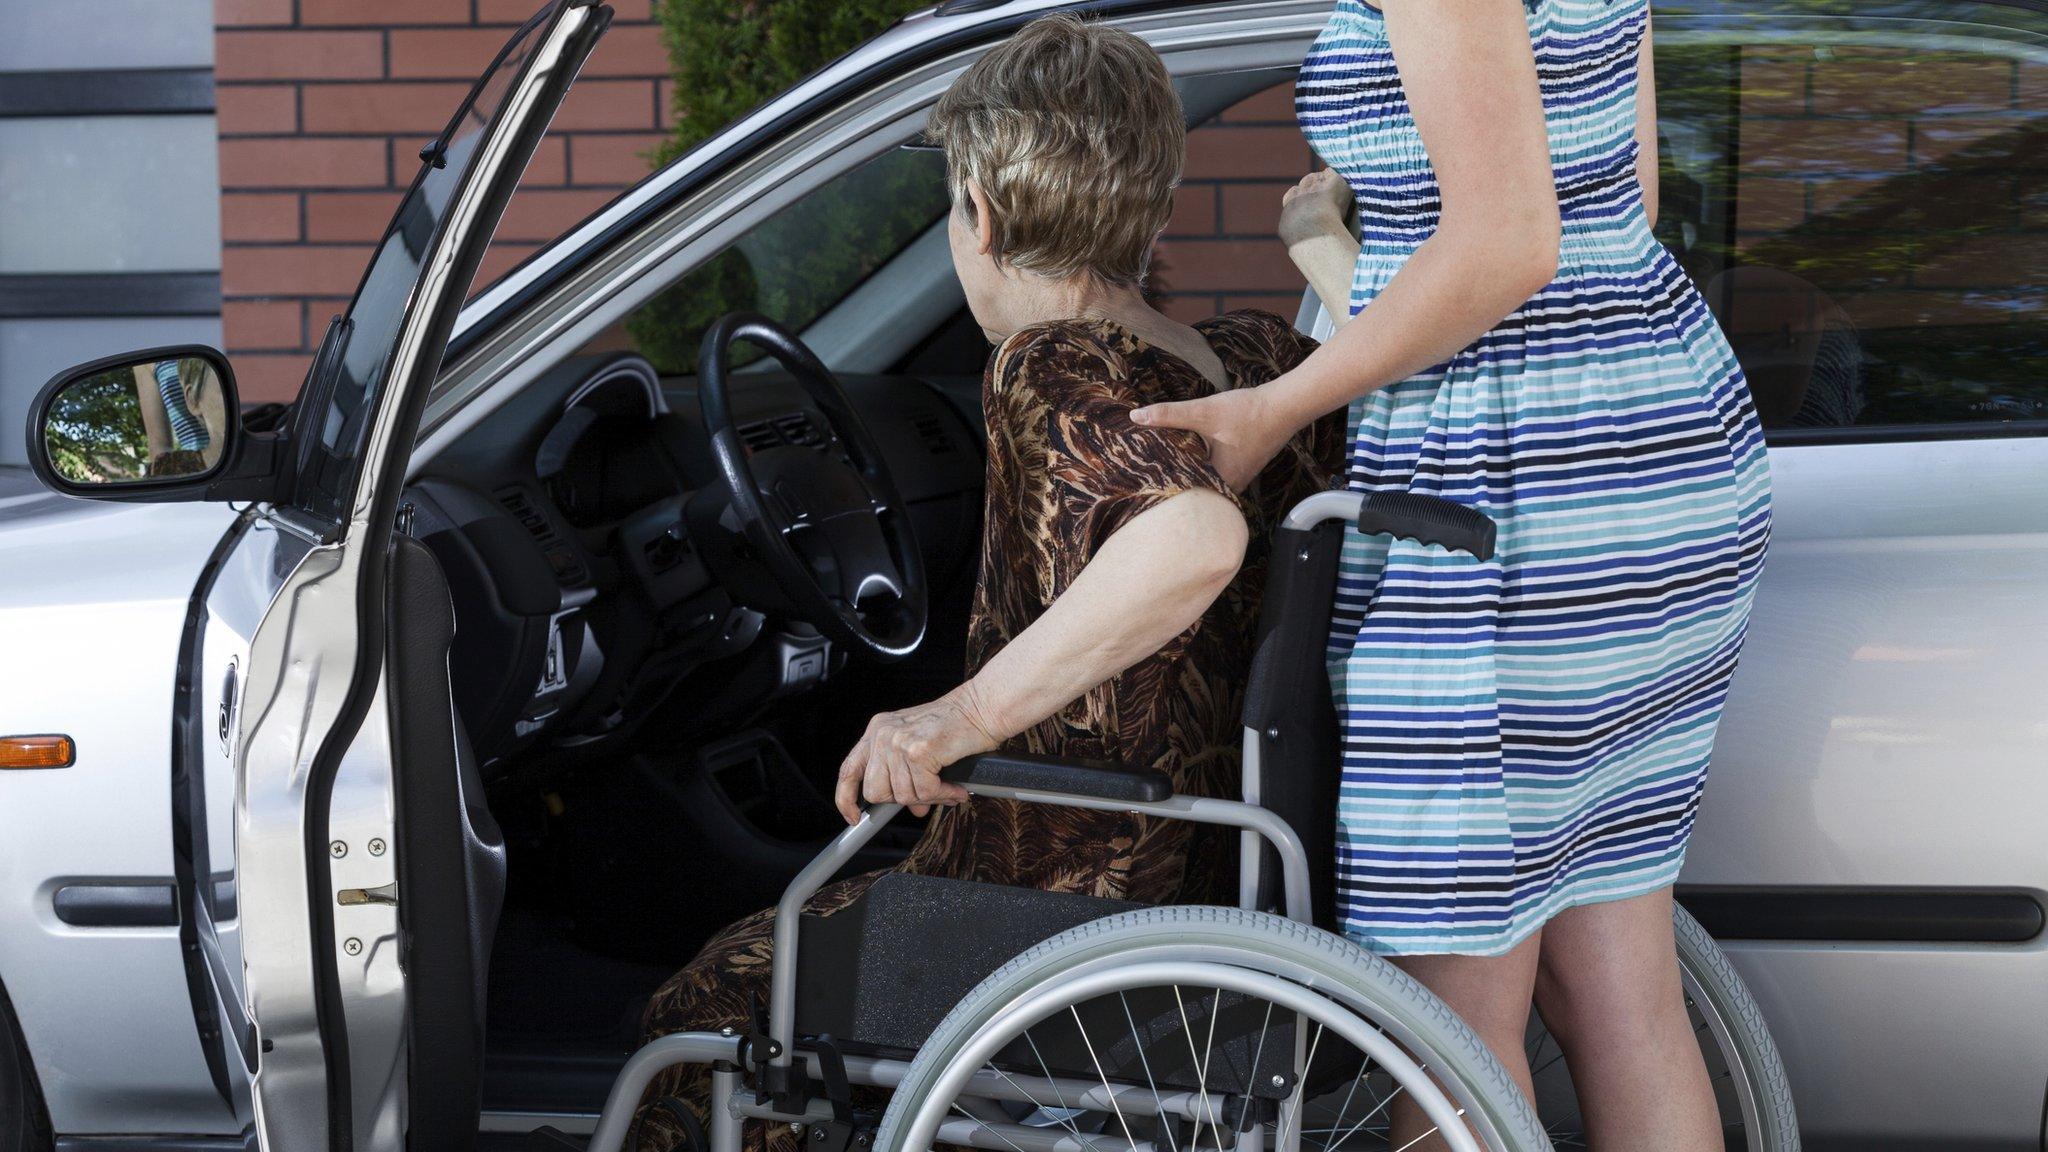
(161, 424)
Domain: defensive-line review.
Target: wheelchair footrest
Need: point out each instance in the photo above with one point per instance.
(882, 972)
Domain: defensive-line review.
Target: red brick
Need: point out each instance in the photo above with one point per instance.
(1769, 204)
(1282, 304)
(2032, 85)
(1823, 148)
(261, 377)
(286, 162)
(242, 109)
(606, 104)
(263, 324)
(1188, 309)
(381, 108)
(1228, 266)
(382, 12)
(612, 161)
(1194, 211)
(1252, 209)
(259, 216)
(444, 53)
(1259, 153)
(517, 11)
(549, 166)
(1856, 84)
(346, 216)
(230, 13)
(2003, 143)
(1274, 105)
(544, 213)
(292, 270)
(297, 55)
(635, 50)
(2017, 260)
(498, 260)
(668, 103)
(1773, 85)
(2030, 199)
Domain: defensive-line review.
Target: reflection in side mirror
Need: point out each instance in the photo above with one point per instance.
(160, 416)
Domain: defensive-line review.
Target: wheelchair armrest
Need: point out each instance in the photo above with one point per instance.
(1093, 779)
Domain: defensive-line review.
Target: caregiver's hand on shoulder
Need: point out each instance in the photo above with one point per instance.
(1242, 431)
(900, 757)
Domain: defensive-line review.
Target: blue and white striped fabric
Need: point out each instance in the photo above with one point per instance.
(1531, 733)
(187, 430)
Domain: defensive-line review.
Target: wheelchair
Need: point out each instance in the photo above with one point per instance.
(1017, 1020)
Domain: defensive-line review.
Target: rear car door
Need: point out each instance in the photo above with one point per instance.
(289, 841)
(1858, 192)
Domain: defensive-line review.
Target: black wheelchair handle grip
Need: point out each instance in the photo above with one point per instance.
(1428, 520)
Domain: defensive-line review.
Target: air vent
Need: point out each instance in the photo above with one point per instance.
(568, 570)
(932, 431)
(795, 429)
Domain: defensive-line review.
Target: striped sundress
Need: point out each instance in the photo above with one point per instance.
(1531, 733)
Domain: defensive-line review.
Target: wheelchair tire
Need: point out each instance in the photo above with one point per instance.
(1756, 1071)
(1265, 947)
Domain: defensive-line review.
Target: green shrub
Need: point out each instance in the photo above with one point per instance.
(731, 56)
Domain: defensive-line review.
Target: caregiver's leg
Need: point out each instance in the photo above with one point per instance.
(1491, 994)
(1607, 985)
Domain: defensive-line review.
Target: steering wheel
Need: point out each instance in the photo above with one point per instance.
(833, 532)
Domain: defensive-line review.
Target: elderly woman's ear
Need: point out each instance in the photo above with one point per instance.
(979, 219)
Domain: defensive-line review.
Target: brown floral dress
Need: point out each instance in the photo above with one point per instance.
(1066, 469)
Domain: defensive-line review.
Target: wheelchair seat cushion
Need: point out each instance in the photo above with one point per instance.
(879, 974)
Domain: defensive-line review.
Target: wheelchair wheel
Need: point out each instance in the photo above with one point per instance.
(1749, 1078)
(1191, 1029)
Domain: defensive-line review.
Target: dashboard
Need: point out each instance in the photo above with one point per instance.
(596, 565)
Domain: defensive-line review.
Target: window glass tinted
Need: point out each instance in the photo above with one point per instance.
(796, 264)
(1861, 192)
(350, 371)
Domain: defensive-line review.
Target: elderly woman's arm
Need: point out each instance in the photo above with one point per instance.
(1150, 581)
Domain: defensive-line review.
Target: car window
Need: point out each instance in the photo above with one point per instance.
(1861, 193)
(797, 263)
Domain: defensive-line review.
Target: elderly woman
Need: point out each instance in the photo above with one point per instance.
(1120, 576)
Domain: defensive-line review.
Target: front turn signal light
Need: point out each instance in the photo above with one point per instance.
(37, 752)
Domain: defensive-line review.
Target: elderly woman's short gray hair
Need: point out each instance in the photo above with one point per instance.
(1074, 133)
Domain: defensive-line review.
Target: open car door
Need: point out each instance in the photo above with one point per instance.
(294, 742)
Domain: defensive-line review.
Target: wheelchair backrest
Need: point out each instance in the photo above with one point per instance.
(1289, 712)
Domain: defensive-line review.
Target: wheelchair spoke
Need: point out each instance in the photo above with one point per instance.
(1344, 1109)
(1201, 1070)
(1145, 1062)
(1300, 1088)
(1129, 1137)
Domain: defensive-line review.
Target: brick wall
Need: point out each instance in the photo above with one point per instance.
(1220, 251)
(323, 105)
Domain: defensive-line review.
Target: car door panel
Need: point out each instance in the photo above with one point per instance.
(291, 828)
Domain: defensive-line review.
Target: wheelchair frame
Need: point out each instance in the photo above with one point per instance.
(727, 1052)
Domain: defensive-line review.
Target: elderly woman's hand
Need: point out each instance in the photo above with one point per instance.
(900, 757)
(1316, 206)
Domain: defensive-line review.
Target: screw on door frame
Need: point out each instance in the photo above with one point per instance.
(376, 847)
(337, 849)
(352, 946)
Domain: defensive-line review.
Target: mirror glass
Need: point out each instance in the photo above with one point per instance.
(147, 420)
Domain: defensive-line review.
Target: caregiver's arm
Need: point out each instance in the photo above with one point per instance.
(1149, 582)
(1471, 84)
(1315, 226)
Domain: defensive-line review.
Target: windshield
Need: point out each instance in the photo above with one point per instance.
(350, 371)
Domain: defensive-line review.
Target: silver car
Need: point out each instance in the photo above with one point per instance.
(260, 881)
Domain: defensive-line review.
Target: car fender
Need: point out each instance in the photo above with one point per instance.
(91, 612)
